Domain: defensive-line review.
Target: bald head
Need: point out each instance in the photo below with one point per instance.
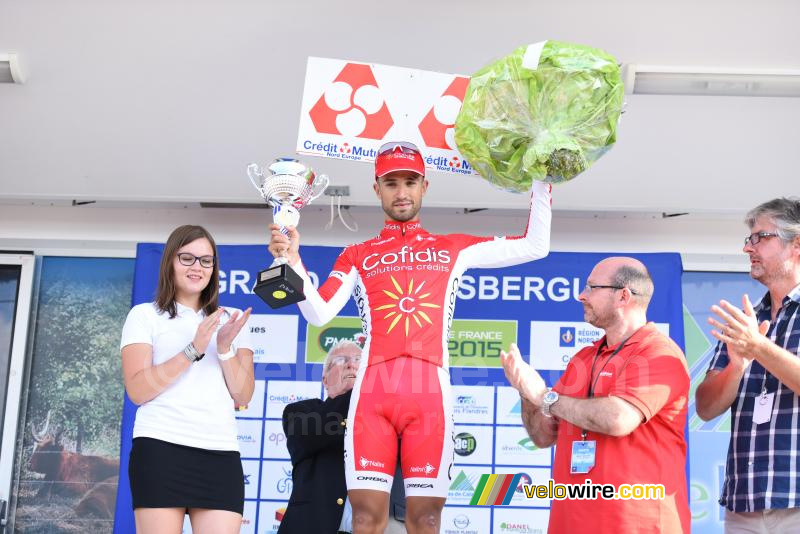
(631, 273)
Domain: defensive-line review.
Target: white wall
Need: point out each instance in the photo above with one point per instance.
(168, 101)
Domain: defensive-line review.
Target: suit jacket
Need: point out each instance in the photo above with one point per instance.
(315, 438)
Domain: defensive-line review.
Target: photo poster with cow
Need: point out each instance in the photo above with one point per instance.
(69, 460)
(534, 305)
(349, 109)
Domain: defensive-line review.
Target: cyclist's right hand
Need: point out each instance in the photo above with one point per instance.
(281, 244)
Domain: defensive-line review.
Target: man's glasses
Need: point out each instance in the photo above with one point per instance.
(406, 148)
(588, 288)
(188, 260)
(343, 360)
(756, 237)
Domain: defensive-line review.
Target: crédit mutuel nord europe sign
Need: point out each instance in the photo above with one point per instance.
(350, 109)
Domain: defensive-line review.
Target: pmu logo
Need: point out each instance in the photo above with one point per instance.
(333, 335)
(437, 126)
(566, 337)
(352, 105)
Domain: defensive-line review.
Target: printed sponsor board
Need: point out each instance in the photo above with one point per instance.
(270, 514)
(510, 521)
(554, 343)
(248, 436)
(509, 406)
(283, 392)
(249, 518)
(274, 440)
(477, 343)
(513, 446)
(459, 520)
(320, 339)
(274, 338)
(473, 404)
(464, 480)
(473, 444)
(349, 109)
(276, 480)
(251, 481)
(472, 343)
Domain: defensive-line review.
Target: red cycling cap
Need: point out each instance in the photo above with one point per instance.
(398, 156)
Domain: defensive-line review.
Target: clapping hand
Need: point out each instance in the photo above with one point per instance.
(739, 330)
(231, 329)
(522, 376)
(205, 330)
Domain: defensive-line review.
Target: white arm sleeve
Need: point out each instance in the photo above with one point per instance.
(318, 310)
(504, 251)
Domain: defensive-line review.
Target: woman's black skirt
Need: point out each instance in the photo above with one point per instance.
(166, 475)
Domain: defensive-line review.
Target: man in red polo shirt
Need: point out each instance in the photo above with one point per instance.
(617, 414)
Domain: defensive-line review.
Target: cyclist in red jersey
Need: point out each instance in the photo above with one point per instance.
(404, 283)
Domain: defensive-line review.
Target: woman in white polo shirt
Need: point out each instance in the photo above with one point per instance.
(185, 362)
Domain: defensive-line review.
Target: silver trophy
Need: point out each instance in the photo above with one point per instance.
(289, 187)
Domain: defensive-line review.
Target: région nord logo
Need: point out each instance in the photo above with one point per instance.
(437, 126)
(352, 105)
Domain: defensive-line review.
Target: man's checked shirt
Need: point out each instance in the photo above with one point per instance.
(763, 468)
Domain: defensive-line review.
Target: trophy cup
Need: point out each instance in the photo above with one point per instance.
(289, 186)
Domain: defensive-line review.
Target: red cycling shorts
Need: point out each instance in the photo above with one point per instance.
(406, 399)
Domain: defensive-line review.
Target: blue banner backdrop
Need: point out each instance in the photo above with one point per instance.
(534, 304)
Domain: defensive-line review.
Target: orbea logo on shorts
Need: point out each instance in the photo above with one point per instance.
(370, 463)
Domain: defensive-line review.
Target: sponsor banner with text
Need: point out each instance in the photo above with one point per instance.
(350, 109)
(534, 305)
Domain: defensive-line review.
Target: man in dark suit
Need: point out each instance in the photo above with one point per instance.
(314, 431)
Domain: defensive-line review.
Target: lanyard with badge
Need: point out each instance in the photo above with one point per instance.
(762, 407)
(584, 451)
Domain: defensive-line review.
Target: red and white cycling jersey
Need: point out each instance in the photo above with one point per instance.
(405, 281)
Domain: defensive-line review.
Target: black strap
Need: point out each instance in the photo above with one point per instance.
(593, 379)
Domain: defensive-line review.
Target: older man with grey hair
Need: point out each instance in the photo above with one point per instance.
(755, 373)
(314, 431)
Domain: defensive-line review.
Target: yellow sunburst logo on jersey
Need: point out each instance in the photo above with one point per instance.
(407, 305)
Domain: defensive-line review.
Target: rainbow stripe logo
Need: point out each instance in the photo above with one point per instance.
(495, 490)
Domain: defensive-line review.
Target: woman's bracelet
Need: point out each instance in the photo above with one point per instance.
(192, 354)
(224, 357)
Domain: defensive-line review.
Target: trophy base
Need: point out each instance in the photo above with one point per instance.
(279, 286)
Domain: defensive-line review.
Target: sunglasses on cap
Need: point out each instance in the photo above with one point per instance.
(403, 146)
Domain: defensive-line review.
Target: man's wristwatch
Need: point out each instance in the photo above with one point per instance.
(192, 353)
(549, 399)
